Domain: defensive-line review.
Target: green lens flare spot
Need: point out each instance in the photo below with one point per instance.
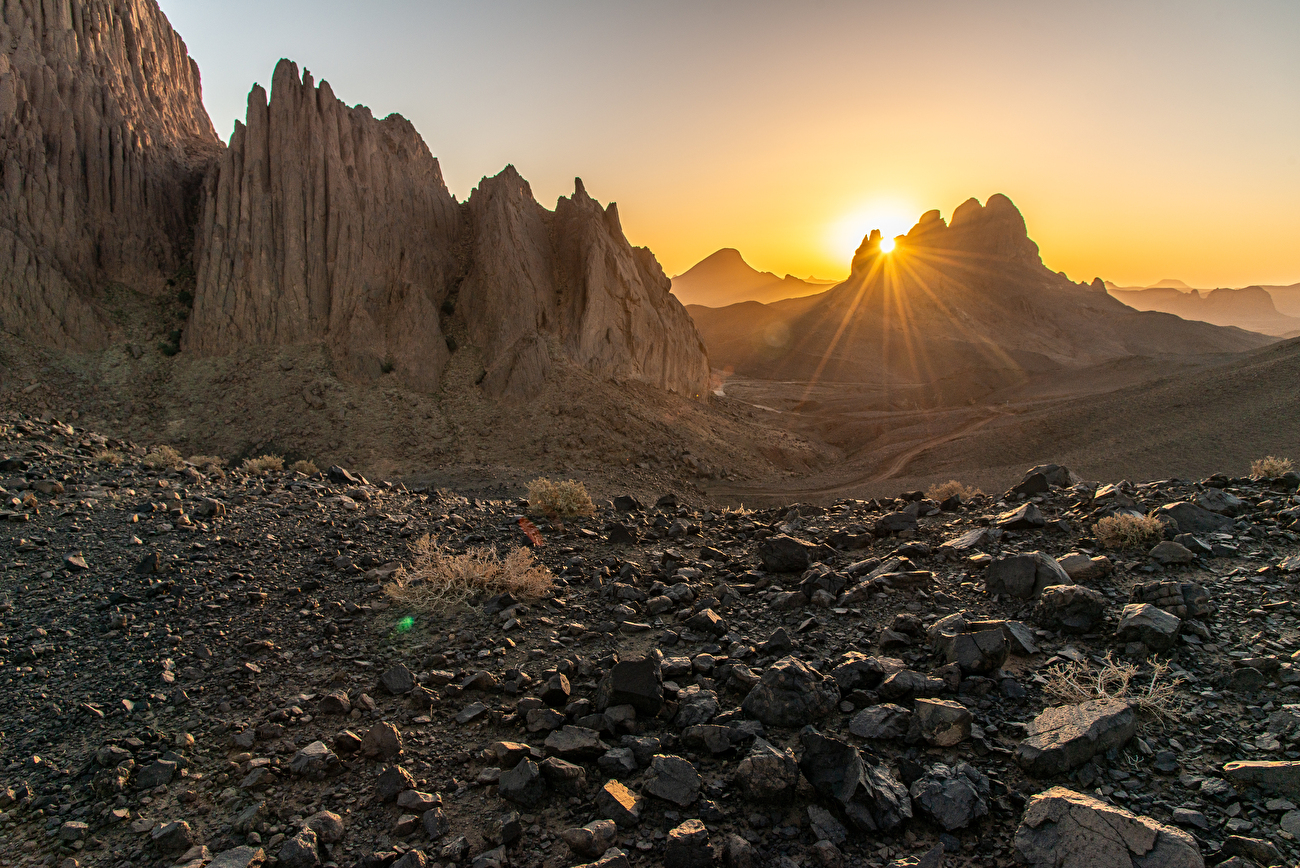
(405, 624)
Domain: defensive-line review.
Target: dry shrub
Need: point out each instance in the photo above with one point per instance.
(262, 464)
(1129, 531)
(306, 468)
(559, 499)
(1157, 695)
(1270, 467)
(941, 492)
(439, 579)
(161, 458)
(108, 457)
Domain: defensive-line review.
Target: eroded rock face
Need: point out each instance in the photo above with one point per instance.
(323, 224)
(567, 284)
(104, 139)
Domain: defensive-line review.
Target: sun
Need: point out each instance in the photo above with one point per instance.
(891, 216)
(886, 245)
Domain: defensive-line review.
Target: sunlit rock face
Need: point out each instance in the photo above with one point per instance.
(105, 141)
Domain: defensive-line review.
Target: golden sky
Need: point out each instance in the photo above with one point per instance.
(1142, 140)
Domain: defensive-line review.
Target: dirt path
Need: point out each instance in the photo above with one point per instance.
(893, 469)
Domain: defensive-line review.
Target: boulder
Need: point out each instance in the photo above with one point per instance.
(976, 652)
(523, 784)
(315, 762)
(872, 798)
(767, 773)
(638, 682)
(1184, 599)
(1190, 518)
(1279, 777)
(1065, 737)
(688, 846)
(1023, 576)
(672, 779)
(941, 722)
(1219, 501)
(785, 554)
(952, 796)
(1065, 829)
(1083, 569)
(881, 721)
(616, 802)
(1027, 516)
(1153, 627)
(1070, 608)
(1170, 553)
(791, 693)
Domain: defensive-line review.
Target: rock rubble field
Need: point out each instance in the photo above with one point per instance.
(207, 666)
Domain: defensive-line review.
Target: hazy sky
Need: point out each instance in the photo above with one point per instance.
(1142, 140)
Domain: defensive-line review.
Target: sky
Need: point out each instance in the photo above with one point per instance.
(1142, 140)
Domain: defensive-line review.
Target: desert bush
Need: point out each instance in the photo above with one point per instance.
(108, 457)
(262, 464)
(939, 492)
(306, 468)
(1128, 531)
(1157, 695)
(439, 579)
(559, 499)
(1270, 467)
(161, 458)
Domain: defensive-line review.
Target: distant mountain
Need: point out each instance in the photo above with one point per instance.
(1253, 308)
(964, 309)
(724, 278)
(1287, 298)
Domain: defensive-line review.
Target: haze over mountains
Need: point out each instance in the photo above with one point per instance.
(1272, 310)
(724, 278)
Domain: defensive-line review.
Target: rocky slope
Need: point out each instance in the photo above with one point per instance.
(967, 308)
(204, 667)
(105, 141)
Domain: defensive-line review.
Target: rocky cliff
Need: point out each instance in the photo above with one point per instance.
(105, 141)
(323, 224)
(567, 284)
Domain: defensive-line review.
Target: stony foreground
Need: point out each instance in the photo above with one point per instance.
(203, 667)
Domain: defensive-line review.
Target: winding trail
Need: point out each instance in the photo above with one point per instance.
(895, 467)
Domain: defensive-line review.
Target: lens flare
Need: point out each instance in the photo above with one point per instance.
(405, 624)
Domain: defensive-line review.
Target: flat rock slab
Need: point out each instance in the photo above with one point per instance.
(1065, 829)
(1282, 778)
(1152, 626)
(1067, 736)
(1191, 518)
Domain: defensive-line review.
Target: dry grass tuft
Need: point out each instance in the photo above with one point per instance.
(559, 499)
(1129, 531)
(1270, 467)
(939, 492)
(108, 457)
(161, 458)
(304, 467)
(438, 579)
(262, 464)
(1156, 696)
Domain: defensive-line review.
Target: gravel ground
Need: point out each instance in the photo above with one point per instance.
(175, 642)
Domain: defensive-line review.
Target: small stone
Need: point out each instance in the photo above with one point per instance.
(314, 762)
(953, 797)
(158, 773)
(173, 837)
(397, 680)
(1153, 627)
(523, 784)
(239, 857)
(1168, 553)
(592, 840)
